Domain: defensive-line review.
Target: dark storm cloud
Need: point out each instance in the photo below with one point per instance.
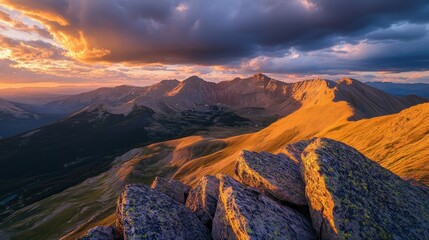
(224, 31)
(394, 55)
(399, 32)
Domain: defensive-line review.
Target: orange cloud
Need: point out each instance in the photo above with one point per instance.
(71, 38)
(6, 21)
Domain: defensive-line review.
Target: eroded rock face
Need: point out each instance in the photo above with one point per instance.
(294, 150)
(202, 199)
(101, 233)
(173, 188)
(246, 213)
(143, 213)
(352, 197)
(277, 175)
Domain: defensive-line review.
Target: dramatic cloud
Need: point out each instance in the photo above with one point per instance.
(341, 59)
(6, 21)
(173, 37)
(205, 31)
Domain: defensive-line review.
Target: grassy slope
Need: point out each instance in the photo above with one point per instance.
(74, 211)
(399, 142)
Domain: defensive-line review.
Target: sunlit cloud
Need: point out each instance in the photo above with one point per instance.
(140, 42)
(182, 7)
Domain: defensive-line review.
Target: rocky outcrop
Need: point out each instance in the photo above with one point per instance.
(277, 175)
(173, 188)
(101, 233)
(352, 197)
(202, 199)
(294, 150)
(143, 213)
(314, 189)
(246, 213)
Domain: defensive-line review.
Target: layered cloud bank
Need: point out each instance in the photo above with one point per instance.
(299, 37)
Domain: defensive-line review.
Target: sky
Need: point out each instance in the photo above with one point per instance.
(87, 43)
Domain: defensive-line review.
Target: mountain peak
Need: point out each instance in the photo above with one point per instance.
(194, 79)
(261, 76)
(348, 81)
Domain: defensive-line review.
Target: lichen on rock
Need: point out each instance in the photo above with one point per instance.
(202, 199)
(246, 213)
(143, 213)
(352, 197)
(173, 188)
(277, 175)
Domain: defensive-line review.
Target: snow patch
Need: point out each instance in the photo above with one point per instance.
(29, 134)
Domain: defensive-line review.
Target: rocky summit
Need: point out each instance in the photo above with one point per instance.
(278, 175)
(313, 189)
(246, 213)
(352, 197)
(175, 189)
(143, 213)
(203, 199)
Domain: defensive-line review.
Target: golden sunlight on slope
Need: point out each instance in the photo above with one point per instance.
(323, 104)
(399, 142)
(312, 118)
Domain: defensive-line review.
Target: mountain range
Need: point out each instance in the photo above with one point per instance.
(186, 130)
(17, 118)
(402, 89)
(258, 95)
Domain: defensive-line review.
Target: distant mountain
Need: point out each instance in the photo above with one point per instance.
(9, 110)
(15, 119)
(40, 95)
(402, 89)
(252, 97)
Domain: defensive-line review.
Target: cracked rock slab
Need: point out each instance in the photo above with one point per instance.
(352, 197)
(246, 213)
(277, 175)
(173, 188)
(143, 213)
(202, 199)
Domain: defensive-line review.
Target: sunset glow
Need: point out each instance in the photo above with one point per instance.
(46, 43)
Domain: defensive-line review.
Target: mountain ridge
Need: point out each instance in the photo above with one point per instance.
(17, 118)
(258, 91)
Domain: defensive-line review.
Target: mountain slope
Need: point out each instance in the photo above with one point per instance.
(399, 142)
(58, 156)
(371, 102)
(10, 110)
(15, 119)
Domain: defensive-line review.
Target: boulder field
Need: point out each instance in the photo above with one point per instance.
(314, 189)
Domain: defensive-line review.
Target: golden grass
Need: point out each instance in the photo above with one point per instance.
(399, 142)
